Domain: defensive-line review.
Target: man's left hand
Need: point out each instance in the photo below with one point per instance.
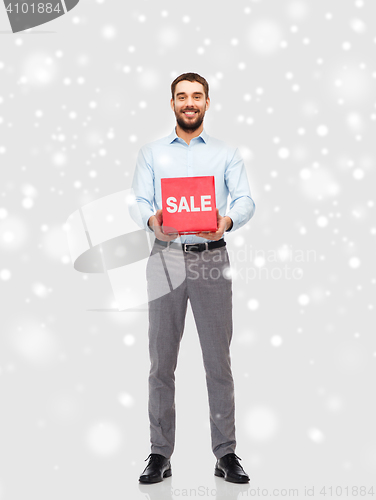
(223, 223)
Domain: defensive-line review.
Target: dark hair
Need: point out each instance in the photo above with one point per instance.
(191, 77)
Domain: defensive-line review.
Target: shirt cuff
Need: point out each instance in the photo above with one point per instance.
(147, 227)
(233, 218)
(232, 224)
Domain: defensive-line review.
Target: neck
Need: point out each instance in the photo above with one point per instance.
(188, 135)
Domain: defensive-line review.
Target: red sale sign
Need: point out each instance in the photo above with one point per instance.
(188, 204)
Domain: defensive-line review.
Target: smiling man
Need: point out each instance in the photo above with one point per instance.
(189, 152)
(189, 105)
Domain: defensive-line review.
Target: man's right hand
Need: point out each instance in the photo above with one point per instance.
(156, 224)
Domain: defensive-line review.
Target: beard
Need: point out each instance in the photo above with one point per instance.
(192, 125)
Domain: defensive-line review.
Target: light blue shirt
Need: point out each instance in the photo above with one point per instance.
(171, 156)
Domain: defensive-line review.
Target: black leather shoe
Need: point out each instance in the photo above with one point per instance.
(229, 467)
(157, 469)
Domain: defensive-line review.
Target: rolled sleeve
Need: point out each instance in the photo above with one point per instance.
(242, 207)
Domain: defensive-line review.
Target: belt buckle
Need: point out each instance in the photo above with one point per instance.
(185, 246)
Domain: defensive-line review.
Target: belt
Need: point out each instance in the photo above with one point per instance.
(195, 247)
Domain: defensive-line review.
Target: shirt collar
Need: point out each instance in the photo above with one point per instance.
(173, 136)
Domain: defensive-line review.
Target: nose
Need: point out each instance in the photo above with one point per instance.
(190, 102)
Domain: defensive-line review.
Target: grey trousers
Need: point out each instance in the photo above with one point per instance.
(173, 277)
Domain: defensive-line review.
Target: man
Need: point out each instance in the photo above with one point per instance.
(187, 152)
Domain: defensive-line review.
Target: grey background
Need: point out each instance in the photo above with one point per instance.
(292, 85)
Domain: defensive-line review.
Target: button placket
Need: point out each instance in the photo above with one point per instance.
(189, 160)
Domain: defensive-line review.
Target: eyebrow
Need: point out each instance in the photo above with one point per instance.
(184, 93)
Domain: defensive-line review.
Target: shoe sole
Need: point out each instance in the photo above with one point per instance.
(167, 473)
(220, 473)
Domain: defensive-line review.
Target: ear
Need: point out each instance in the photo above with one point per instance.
(207, 103)
(172, 104)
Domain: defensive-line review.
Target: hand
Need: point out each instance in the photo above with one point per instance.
(156, 224)
(223, 223)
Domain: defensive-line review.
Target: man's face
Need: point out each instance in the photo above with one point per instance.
(189, 105)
